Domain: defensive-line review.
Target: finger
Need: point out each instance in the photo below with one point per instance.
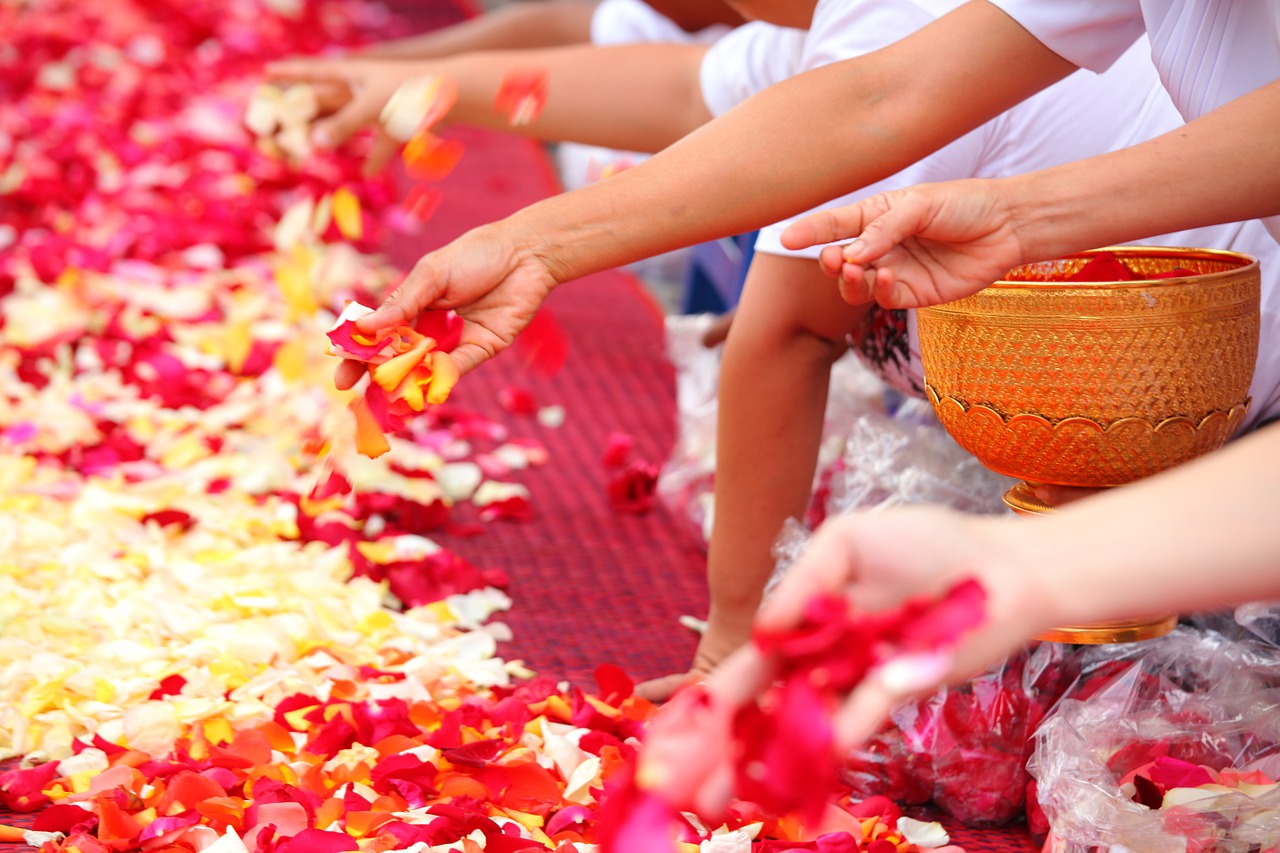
(742, 676)
(826, 226)
(891, 292)
(308, 71)
(403, 305)
(348, 374)
(331, 97)
(857, 284)
(862, 713)
(384, 148)
(831, 260)
(826, 566)
(469, 355)
(361, 112)
(903, 216)
(661, 689)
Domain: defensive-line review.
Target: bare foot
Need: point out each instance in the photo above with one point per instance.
(712, 648)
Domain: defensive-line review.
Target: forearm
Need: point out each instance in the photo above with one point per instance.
(1201, 536)
(519, 26)
(809, 139)
(772, 398)
(632, 97)
(1222, 167)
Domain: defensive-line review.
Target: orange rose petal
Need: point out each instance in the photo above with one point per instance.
(114, 824)
(395, 744)
(410, 391)
(330, 810)
(389, 803)
(278, 736)
(361, 824)
(369, 438)
(532, 789)
(456, 785)
(392, 372)
(429, 158)
(227, 811)
(444, 375)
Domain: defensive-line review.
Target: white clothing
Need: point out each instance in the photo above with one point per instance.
(632, 22)
(1084, 115)
(616, 22)
(1207, 52)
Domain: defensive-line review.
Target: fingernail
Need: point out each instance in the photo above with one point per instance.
(906, 674)
(321, 138)
(854, 250)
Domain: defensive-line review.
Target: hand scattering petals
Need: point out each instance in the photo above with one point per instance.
(409, 370)
(778, 752)
(417, 105)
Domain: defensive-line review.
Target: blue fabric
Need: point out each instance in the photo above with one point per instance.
(714, 276)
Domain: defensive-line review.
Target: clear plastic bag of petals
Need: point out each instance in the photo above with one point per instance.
(908, 458)
(898, 456)
(964, 749)
(688, 477)
(1168, 745)
(686, 480)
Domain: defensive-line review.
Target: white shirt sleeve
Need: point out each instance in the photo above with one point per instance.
(751, 58)
(1088, 33)
(634, 22)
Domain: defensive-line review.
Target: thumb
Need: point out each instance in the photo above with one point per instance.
(359, 113)
(885, 688)
(419, 290)
(384, 148)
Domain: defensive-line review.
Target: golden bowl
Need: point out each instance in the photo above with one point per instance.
(1096, 384)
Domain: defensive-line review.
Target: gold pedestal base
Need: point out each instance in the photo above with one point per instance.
(1023, 500)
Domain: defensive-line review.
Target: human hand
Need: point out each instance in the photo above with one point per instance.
(352, 94)
(916, 247)
(879, 561)
(719, 640)
(487, 276)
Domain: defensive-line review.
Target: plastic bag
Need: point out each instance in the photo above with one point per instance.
(965, 748)
(890, 459)
(1191, 697)
(688, 477)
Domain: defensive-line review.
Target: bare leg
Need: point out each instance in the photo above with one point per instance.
(787, 331)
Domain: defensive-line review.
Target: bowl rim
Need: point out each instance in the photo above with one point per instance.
(1249, 264)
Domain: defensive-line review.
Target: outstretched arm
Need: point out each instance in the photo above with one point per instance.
(938, 242)
(796, 144)
(1198, 537)
(637, 97)
(516, 26)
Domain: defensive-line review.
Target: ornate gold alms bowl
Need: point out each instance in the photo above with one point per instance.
(1096, 384)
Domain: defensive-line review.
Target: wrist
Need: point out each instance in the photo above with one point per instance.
(1018, 574)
